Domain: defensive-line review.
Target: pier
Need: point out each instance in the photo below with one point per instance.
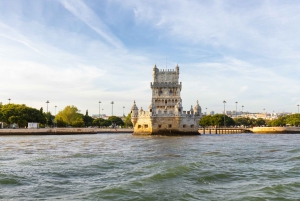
(224, 130)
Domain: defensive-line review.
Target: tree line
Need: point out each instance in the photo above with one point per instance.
(21, 114)
(217, 120)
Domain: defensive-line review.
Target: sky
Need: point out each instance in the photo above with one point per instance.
(80, 52)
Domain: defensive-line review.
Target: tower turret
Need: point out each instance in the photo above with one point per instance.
(134, 113)
(197, 109)
(177, 69)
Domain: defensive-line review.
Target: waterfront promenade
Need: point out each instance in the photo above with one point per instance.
(75, 131)
(62, 131)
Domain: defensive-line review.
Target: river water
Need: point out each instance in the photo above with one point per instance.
(126, 167)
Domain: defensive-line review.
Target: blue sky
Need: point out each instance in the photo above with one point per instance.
(76, 52)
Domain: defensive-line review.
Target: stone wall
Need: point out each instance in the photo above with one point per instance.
(275, 130)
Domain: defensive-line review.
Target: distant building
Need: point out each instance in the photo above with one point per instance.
(32, 125)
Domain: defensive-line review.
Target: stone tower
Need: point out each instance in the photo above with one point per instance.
(165, 115)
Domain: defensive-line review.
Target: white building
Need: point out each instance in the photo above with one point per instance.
(32, 125)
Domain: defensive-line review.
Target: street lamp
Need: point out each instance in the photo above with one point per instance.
(47, 105)
(264, 110)
(99, 109)
(242, 109)
(123, 111)
(9, 100)
(206, 111)
(298, 108)
(112, 108)
(236, 108)
(224, 113)
(55, 109)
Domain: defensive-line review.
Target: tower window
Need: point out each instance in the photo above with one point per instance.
(159, 126)
(192, 126)
(146, 126)
(184, 126)
(139, 126)
(170, 125)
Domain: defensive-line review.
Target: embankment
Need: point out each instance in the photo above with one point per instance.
(61, 131)
(276, 130)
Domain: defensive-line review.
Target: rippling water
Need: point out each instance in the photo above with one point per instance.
(126, 167)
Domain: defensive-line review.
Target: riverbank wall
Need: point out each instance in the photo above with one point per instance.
(276, 130)
(224, 130)
(61, 131)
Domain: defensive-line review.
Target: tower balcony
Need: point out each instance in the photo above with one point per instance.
(165, 84)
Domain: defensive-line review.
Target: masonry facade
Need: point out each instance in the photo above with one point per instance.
(165, 115)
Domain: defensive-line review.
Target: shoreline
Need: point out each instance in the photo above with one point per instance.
(61, 131)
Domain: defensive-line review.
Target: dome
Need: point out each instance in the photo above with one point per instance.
(134, 107)
(197, 107)
(150, 106)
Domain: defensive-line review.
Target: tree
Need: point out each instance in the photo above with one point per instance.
(242, 121)
(88, 121)
(20, 114)
(117, 120)
(97, 122)
(206, 121)
(293, 119)
(78, 123)
(218, 120)
(259, 122)
(49, 118)
(105, 123)
(127, 121)
(69, 115)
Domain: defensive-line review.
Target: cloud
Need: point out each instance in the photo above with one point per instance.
(84, 13)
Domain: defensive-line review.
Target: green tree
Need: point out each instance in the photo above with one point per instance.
(127, 121)
(259, 122)
(242, 121)
(49, 118)
(117, 120)
(293, 119)
(218, 120)
(69, 115)
(88, 120)
(206, 121)
(78, 123)
(21, 114)
(105, 123)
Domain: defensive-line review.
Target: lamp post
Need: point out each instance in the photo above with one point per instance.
(123, 111)
(264, 110)
(206, 111)
(224, 113)
(236, 108)
(9, 100)
(47, 105)
(99, 109)
(298, 108)
(112, 108)
(242, 109)
(55, 109)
